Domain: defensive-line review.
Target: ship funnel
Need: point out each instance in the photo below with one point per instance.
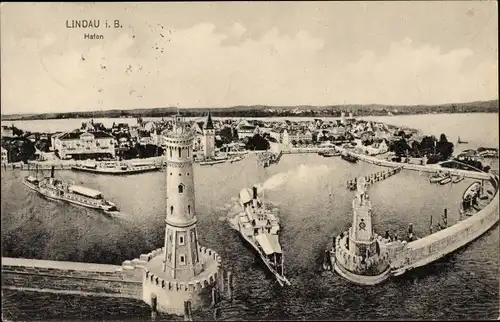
(254, 192)
(52, 171)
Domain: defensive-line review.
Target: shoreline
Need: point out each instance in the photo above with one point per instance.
(7, 118)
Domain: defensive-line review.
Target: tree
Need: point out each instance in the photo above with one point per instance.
(226, 135)
(16, 131)
(415, 149)
(19, 149)
(42, 145)
(427, 145)
(257, 142)
(444, 148)
(315, 137)
(400, 147)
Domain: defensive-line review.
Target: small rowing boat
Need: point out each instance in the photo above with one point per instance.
(445, 180)
(437, 177)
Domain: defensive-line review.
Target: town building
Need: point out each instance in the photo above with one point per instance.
(120, 128)
(300, 137)
(145, 137)
(277, 134)
(285, 140)
(245, 129)
(7, 131)
(183, 269)
(84, 145)
(375, 148)
(53, 138)
(5, 156)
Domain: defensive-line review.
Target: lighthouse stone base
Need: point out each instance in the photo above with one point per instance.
(169, 293)
(367, 271)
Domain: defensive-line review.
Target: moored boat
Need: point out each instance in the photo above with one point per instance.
(212, 162)
(117, 168)
(236, 159)
(457, 179)
(488, 153)
(330, 153)
(58, 190)
(349, 158)
(445, 180)
(437, 177)
(260, 228)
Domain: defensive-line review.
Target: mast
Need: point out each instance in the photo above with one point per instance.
(282, 263)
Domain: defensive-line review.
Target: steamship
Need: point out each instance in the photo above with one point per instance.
(58, 190)
(116, 168)
(260, 228)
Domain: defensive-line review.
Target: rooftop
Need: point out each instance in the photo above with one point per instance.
(210, 124)
(76, 135)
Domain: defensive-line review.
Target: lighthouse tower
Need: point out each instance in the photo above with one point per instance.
(180, 270)
(181, 259)
(362, 241)
(209, 138)
(358, 253)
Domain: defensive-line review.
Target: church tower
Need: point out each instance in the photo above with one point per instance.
(181, 258)
(209, 138)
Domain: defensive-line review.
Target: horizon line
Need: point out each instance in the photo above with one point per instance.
(253, 105)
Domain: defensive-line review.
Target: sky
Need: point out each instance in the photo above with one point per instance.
(225, 54)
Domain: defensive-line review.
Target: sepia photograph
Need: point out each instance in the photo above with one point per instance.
(250, 160)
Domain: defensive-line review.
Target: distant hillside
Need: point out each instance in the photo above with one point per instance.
(270, 111)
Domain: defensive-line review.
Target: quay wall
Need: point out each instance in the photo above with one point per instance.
(430, 248)
(434, 168)
(72, 277)
(67, 164)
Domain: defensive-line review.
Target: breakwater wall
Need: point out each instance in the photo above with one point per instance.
(70, 278)
(431, 168)
(75, 278)
(418, 253)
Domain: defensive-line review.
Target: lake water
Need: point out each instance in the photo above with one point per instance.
(464, 285)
